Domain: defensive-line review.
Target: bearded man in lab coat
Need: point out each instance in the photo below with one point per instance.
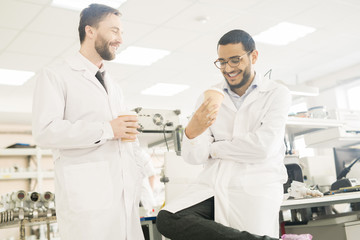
(75, 112)
(241, 186)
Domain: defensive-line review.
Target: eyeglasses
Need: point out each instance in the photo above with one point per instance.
(233, 61)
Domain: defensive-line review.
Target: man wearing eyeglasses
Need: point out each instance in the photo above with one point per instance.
(239, 192)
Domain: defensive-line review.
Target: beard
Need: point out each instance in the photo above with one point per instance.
(102, 48)
(243, 82)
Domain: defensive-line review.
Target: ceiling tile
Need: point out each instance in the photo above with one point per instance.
(346, 26)
(25, 62)
(280, 9)
(133, 32)
(331, 66)
(17, 15)
(202, 46)
(71, 50)
(7, 35)
(189, 18)
(37, 1)
(120, 72)
(324, 13)
(167, 38)
(57, 22)
(152, 12)
(240, 5)
(40, 44)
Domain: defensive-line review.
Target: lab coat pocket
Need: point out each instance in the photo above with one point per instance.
(88, 186)
(264, 185)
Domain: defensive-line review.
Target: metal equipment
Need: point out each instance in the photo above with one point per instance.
(158, 126)
(21, 205)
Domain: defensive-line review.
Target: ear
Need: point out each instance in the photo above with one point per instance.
(90, 31)
(254, 56)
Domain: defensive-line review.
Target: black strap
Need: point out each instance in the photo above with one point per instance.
(100, 76)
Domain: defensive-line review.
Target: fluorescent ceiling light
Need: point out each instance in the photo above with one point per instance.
(283, 33)
(140, 56)
(14, 77)
(81, 4)
(302, 90)
(164, 89)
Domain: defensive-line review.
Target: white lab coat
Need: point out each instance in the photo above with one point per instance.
(243, 154)
(97, 179)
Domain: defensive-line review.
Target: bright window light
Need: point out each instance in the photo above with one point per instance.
(140, 56)
(353, 95)
(164, 89)
(14, 77)
(81, 4)
(283, 33)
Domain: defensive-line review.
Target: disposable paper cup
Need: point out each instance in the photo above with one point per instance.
(217, 96)
(127, 114)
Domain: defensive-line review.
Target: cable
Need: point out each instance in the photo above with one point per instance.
(167, 146)
(345, 171)
(268, 72)
(169, 124)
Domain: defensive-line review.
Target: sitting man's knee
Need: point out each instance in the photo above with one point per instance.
(164, 222)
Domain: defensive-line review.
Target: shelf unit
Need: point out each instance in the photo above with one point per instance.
(321, 133)
(300, 126)
(24, 152)
(24, 175)
(38, 174)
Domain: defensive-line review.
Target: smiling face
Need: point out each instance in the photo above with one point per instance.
(238, 77)
(108, 37)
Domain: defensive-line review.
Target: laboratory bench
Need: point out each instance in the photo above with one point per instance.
(344, 226)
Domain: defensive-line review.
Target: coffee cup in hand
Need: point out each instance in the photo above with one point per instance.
(216, 96)
(127, 114)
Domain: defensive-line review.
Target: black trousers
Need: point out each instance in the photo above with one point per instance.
(197, 223)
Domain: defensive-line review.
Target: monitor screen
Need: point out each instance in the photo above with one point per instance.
(344, 157)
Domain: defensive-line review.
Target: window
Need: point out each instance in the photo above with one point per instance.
(353, 97)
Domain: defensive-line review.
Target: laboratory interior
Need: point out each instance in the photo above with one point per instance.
(164, 65)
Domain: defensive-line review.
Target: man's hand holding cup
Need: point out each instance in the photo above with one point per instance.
(206, 114)
(125, 126)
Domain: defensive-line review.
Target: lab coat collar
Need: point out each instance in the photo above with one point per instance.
(262, 86)
(80, 63)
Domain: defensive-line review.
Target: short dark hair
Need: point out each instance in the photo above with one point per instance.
(92, 15)
(238, 36)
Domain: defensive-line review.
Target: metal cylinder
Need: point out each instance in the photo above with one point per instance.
(18, 196)
(47, 196)
(33, 196)
(11, 215)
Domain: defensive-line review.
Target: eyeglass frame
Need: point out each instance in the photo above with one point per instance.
(227, 62)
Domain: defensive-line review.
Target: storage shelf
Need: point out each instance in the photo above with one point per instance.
(24, 152)
(25, 175)
(299, 126)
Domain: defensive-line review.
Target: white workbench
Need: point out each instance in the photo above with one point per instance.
(321, 201)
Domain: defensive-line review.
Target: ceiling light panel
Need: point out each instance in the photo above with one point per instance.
(283, 33)
(14, 77)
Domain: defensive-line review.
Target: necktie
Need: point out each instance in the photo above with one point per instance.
(100, 77)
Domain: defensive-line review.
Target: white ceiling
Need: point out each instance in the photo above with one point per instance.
(35, 34)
